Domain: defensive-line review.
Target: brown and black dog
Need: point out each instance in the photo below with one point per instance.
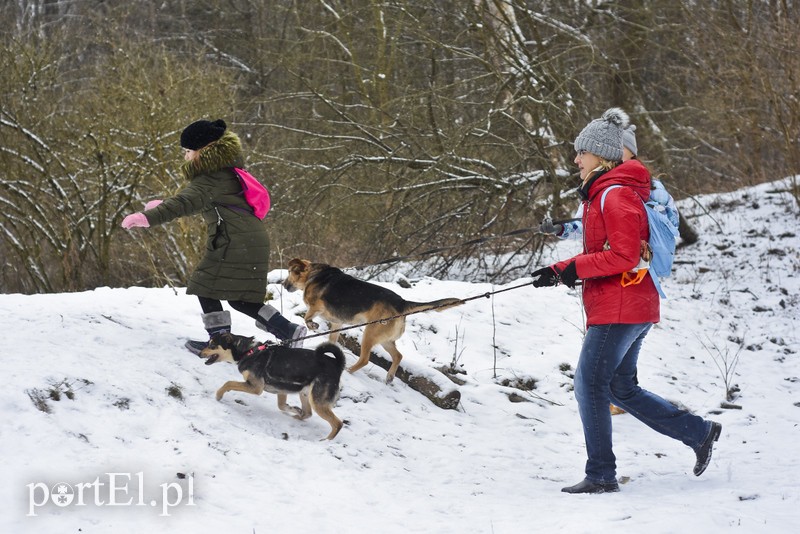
(344, 299)
(314, 374)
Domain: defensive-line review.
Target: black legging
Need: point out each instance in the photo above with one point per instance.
(213, 305)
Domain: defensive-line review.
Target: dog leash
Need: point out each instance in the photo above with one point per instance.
(385, 320)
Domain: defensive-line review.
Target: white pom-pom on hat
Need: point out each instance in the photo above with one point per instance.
(617, 116)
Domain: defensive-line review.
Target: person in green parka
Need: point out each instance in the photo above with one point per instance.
(235, 265)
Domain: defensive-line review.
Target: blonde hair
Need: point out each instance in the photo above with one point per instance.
(605, 165)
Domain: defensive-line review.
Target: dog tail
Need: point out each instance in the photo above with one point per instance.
(325, 387)
(329, 349)
(438, 305)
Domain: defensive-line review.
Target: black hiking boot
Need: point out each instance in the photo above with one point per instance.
(704, 451)
(592, 488)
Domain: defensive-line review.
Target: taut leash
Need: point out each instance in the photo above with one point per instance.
(384, 320)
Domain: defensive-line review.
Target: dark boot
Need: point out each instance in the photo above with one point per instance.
(704, 451)
(272, 321)
(587, 486)
(214, 322)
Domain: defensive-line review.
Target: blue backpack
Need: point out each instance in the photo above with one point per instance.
(662, 219)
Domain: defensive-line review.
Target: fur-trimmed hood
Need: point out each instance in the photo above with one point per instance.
(225, 152)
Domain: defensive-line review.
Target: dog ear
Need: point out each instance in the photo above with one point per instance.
(224, 339)
(240, 343)
(297, 265)
(215, 340)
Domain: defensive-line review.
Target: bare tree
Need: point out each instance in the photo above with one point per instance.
(382, 128)
(84, 134)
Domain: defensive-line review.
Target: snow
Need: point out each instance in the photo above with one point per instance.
(401, 464)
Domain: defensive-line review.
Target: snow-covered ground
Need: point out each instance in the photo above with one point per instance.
(105, 411)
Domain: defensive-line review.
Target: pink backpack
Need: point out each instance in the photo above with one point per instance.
(254, 193)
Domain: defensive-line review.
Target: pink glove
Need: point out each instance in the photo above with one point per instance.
(152, 204)
(135, 219)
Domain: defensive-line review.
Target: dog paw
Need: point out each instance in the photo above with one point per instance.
(311, 325)
(219, 395)
(294, 411)
(389, 379)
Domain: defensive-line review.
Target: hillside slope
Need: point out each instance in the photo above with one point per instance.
(98, 383)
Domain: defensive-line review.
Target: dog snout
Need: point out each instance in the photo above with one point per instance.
(288, 285)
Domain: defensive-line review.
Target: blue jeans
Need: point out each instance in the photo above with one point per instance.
(607, 373)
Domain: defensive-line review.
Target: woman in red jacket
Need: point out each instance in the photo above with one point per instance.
(618, 316)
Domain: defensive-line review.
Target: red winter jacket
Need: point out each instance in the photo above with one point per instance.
(623, 225)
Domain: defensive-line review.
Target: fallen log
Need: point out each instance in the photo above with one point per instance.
(445, 399)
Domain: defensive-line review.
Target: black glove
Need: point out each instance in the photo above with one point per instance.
(547, 227)
(546, 277)
(569, 275)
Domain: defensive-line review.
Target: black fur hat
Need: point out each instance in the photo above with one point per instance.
(202, 133)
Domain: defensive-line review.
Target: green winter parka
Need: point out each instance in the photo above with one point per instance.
(235, 264)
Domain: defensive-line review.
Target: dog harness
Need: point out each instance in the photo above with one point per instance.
(259, 348)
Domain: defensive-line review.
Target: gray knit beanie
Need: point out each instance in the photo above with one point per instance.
(629, 139)
(603, 137)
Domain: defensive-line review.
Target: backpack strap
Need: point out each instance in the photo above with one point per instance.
(605, 192)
